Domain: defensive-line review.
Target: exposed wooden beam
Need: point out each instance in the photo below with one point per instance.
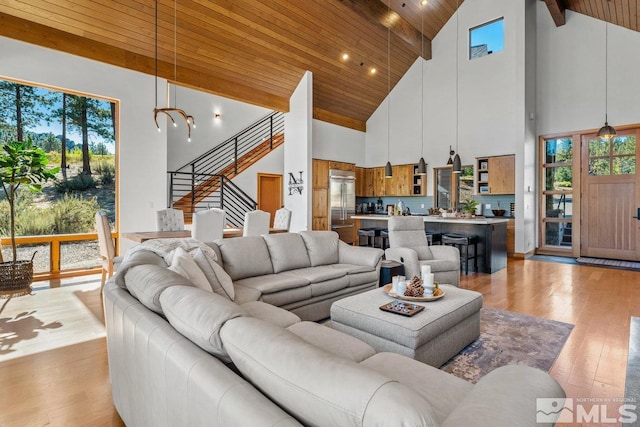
(556, 9)
(378, 13)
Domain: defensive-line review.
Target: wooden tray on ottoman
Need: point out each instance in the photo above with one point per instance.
(403, 308)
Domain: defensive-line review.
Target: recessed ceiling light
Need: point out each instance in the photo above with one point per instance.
(345, 56)
(373, 70)
(423, 2)
(217, 116)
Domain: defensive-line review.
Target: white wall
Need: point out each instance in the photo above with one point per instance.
(271, 163)
(142, 151)
(209, 131)
(298, 143)
(333, 142)
(571, 74)
(487, 97)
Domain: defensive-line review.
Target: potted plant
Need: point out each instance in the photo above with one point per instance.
(21, 164)
(469, 207)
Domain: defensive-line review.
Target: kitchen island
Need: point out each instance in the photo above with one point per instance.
(491, 232)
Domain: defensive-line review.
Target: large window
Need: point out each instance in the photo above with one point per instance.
(451, 188)
(557, 193)
(486, 39)
(615, 156)
(78, 133)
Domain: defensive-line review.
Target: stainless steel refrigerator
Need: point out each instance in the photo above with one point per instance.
(342, 196)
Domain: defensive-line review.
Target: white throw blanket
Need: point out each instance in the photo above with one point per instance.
(163, 248)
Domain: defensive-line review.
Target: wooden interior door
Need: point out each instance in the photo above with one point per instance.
(610, 197)
(269, 193)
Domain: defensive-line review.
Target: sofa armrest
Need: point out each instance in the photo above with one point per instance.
(449, 253)
(408, 257)
(506, 397)
(358, 255)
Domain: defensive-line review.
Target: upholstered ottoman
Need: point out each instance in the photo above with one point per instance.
(432, 336)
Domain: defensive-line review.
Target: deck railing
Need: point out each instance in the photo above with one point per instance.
(49, 262)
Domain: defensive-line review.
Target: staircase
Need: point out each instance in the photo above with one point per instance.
(206, 181)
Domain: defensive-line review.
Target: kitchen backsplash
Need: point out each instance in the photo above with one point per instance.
(415, 204)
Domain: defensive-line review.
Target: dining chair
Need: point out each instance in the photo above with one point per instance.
(208, 225)
(282, 219)
(169, 220)
(109, 260)
(256, 223)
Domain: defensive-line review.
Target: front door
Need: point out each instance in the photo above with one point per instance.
(269, 193)
(610, 196)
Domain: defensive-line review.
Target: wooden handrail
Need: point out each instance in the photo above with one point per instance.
(54, 240)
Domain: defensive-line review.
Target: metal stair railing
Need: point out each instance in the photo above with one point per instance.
(220, 192)
(203, 183)
(228, 152)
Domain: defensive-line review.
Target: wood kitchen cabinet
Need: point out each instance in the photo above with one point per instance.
(361, 182)
(496, 175)
(342, 166)
(320, 195)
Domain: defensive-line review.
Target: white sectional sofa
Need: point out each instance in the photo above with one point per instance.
(184, 354)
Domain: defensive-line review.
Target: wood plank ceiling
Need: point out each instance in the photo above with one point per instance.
(257, 51)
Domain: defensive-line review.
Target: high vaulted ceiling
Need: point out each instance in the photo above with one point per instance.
(257, 51)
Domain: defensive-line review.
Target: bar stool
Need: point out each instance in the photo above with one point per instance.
(433, 238)
(384, 234)
(370, 233)
(460, 240)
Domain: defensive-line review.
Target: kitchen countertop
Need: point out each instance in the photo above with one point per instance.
(434, 218)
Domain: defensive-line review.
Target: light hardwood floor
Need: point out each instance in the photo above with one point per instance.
(69, 386)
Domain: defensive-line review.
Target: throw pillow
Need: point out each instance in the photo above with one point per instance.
(218, 279)
(183, 264)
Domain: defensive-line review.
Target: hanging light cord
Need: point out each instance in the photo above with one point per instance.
(189, 120)
(388, 85)
(422, 86)
(457, 73)
(606, 66)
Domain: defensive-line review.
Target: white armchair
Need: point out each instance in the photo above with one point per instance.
(169, 220)
(282, 219)
(256, 223)
(408, 245)
(208, 225)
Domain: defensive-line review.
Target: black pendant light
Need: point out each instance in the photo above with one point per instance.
(606, 132)
(422, 165)
(457, 164)
(388, 171)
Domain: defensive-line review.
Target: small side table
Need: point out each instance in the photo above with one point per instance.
(388, 269)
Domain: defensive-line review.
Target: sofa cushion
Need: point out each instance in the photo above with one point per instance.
(184, 264)
(363, 278)
(270, 313)
(244, 294)
(353, 268)
(333, 341)
(315, 274)
(288, 296)
(199, 315)
(219, 280)
(317, 387)
(271, 283)
(420, 377)
(245, 257)
(287, 251)
(438, 265)
(322, 246)
(146, 282)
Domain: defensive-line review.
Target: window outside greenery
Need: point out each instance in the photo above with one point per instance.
(612, 157)
(86, 182)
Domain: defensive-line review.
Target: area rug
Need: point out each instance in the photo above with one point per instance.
(508, 338)
(48, 319)
(632, 379)
(611, 263)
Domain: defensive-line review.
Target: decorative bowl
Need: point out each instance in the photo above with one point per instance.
(498, 212)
